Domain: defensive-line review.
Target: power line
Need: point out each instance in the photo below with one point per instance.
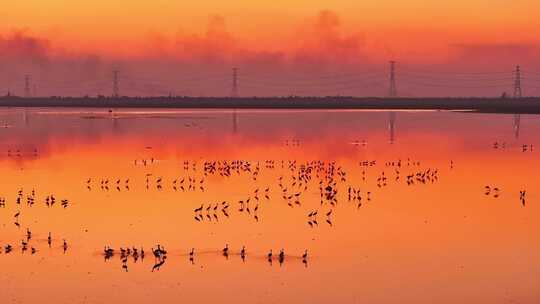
(404, 68)
(427, 84)
(451, 78)
(317, 79)
(418, 78)
(315, 85)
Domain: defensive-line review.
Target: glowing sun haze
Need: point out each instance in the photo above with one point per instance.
(261, 35)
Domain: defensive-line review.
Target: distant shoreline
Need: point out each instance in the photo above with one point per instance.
(483, 105)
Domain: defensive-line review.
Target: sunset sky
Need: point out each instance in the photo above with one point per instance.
(47, 37)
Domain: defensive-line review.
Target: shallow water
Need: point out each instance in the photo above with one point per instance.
(440, 239)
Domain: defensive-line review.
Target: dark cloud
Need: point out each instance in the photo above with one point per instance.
(23, 48)
(190, 64)
(215, 45)
(323, 42)
(200, 64)
(497, 53)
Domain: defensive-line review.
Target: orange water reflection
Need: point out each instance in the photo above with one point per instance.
(440, 242)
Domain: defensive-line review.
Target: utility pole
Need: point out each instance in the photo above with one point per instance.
(517, 82)
(116, 89)
(27, 86)
(234, 91)
(392, 92)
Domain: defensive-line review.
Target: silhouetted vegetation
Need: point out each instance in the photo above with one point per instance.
(495, 105)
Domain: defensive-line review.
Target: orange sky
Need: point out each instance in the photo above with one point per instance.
(385, 26)
(274, 43)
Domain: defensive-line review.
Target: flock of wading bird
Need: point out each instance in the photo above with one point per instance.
(26, 243)
(294, 185)
(503, 146)
(294, 182)
(160, 255)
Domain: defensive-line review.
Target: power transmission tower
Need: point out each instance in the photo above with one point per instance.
(517, 94)
(517, 83)
(27, 86)
(392, 92)
(234, 92)
(116, 89)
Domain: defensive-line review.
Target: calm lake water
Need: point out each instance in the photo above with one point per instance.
(411, 207)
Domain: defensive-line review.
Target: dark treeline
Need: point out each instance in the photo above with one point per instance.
(487, 105)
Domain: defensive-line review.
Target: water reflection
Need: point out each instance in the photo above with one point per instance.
(235, 121)
(438, 215)
(391, 126)
(516, 125)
